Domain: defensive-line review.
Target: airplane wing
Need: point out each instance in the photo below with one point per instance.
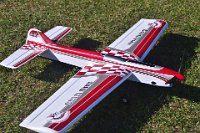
(136, 43)
(75, 98)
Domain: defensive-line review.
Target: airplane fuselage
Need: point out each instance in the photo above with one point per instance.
(142, 72)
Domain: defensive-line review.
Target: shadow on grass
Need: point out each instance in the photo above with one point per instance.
(88, 44)
(54, 71)
(112, 115)
(174, 51)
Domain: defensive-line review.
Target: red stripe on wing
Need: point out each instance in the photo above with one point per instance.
(63, 34)
(146, 42)
(26, 59)
(85, 102)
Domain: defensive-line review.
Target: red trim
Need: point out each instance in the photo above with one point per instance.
(94, 70)
(74, 51)
(106, 68)
(45, 38)
(26, 59)
(81, 73)
(107, 50)
(113, 54)
(146, 42)
(87, 101)
(79, 52)
(119, 52)
(87, 67)
(152, 74)
(101, 72)
(171, 72)
(63, 34)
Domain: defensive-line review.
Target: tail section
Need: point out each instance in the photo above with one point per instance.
(38, 37)
(34, 46)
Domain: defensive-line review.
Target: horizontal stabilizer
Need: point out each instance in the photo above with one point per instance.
(35, 45)
(57, 33)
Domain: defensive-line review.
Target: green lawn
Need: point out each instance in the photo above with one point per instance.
(96, 25)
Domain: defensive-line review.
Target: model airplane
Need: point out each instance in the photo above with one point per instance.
(101, 72)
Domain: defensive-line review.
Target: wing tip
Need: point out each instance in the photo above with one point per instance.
(7, 66)
(38, 129)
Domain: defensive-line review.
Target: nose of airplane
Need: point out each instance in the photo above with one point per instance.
(172, 72)
(180, 76)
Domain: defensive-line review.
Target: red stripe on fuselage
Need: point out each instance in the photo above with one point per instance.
(86, 101)
(45, 38)
(79, 52)
(84, 53)
(74, 51)
(94, 55)
(146, 42)
(90, 55)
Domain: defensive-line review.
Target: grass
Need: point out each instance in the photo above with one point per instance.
(96, 24)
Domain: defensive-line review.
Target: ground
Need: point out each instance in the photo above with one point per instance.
(95, 25)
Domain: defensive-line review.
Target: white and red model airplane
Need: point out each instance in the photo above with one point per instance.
(101, 72)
